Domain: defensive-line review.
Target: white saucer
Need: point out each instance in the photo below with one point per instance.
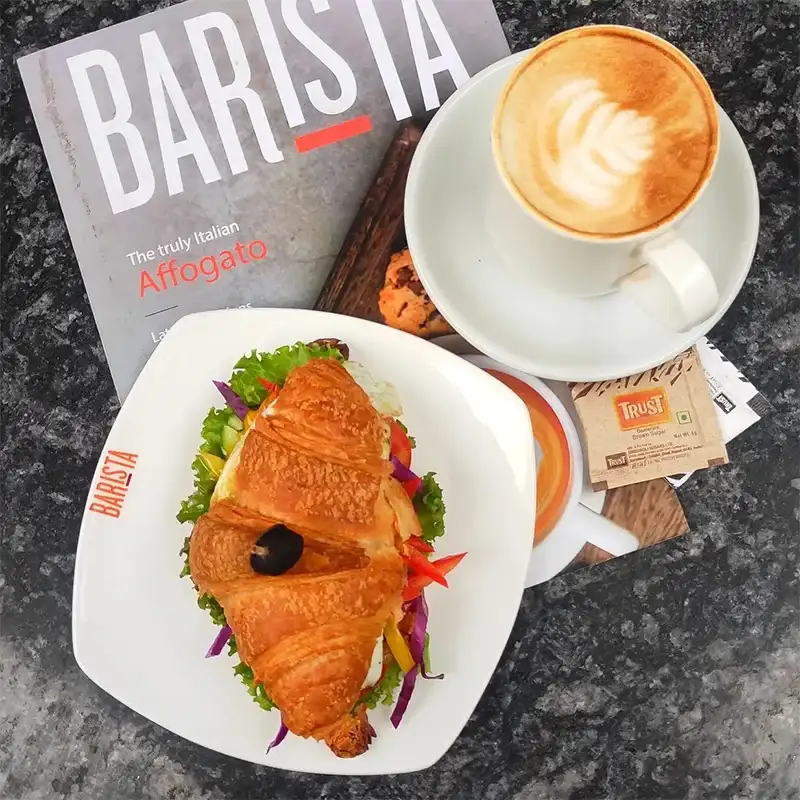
(453, 190)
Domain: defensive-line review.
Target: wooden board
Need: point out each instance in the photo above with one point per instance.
(363, 284)
(650, 510)
(358, 273)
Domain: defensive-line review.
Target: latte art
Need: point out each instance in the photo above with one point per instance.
(599, 147)
(606, 131)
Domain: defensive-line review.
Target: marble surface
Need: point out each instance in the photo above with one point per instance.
(673, 673)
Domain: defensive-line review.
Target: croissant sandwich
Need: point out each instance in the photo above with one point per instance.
(313, 540)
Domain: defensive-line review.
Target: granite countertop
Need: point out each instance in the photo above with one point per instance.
(672, 673)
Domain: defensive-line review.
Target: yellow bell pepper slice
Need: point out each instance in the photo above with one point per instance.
(397, 644)
(214, 463)
(250, 419)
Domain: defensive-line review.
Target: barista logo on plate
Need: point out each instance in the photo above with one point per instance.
(112, 487)
(642, 409)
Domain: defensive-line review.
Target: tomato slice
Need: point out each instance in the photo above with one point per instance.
(399, 444)
(417, 582)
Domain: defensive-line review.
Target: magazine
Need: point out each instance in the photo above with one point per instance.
(213, 154)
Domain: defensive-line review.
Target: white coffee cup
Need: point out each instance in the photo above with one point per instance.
(655, 267)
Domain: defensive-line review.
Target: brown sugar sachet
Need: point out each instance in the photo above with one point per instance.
(657, 423)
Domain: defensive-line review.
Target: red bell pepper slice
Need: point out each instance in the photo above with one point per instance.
(417, 582)
(421, 566)
(268, 385)
(420, 544)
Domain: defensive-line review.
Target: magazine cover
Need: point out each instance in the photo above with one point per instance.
(213, 154)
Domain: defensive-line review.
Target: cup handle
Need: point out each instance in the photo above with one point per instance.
(603, 533)
(673, 284)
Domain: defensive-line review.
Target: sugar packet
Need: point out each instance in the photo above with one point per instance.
(651, 425)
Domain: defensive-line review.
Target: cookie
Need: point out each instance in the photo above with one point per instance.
(404, 304)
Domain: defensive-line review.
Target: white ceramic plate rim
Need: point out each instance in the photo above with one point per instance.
(560, 547)
(502, 591)
(497, 350)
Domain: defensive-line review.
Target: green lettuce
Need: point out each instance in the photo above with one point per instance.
(245, 673)
(430, 508)
(196, 504)
(209, 603)
(273, 367)
(383, 691)
(211, 432)
(204, 479)
(184, 553)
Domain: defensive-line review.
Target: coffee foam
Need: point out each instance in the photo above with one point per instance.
(607, 132)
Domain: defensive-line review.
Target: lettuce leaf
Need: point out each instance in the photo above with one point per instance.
(256, 690)
(204, 479)
(209, 603)
(211, 432)
(273, 367)
(197, 502)
(184, 553)
(383, 691)
(430, 508)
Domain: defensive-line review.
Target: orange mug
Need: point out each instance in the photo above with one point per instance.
(563, 525)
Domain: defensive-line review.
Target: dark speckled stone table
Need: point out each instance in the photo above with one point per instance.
(673, 673)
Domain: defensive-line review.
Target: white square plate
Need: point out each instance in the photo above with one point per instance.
(137, 630)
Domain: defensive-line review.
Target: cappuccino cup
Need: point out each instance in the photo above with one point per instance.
(607, 136)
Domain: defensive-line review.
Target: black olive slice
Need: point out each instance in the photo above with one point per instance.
(276, 551)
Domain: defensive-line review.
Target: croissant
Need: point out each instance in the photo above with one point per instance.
(314, 461)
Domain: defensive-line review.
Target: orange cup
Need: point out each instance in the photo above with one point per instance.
(554, 467)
